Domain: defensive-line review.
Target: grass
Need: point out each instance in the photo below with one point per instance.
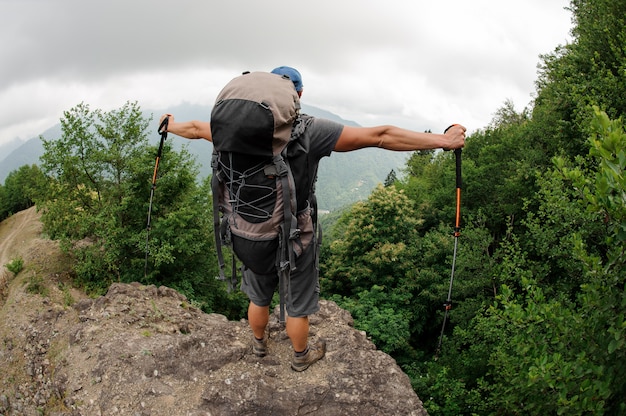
(37, 285)
(68, 299)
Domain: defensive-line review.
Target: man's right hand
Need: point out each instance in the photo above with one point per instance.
(456, 135)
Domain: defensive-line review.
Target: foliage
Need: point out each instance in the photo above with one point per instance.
(605, 194)
(394, 282)
(373, 249)
(36, 285)
(552, 229)
(371, 262)
(537, 324)
(442, 393)
(608, 143)
(589, 71)
(98, 199)
(345, 178)
(21, 188)
(428, 180)
(15, 266)
(377, 313)
(554, 342)
(545, 366)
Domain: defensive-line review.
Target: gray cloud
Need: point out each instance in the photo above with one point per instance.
(381, 60)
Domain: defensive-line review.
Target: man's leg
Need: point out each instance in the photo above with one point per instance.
(298, 332)
(304, 301)
(258, 317)
(305, 354)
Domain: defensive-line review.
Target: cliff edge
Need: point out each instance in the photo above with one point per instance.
(145, 350)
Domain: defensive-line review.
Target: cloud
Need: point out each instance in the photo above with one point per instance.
(416, 64)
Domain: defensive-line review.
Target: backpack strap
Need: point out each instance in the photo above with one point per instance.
(220, 229)
(286, 261)
(215, 189)
(289, 229)
(317, 228)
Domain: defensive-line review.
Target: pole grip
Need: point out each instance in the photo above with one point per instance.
(163, 126)
(163, 133)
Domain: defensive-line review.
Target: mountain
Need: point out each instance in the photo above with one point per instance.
(343, 178)
(6, 148)
(27, 153)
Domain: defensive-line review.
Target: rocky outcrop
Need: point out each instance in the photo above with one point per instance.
(143, 350)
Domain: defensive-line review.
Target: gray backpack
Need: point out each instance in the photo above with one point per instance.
(255, 122)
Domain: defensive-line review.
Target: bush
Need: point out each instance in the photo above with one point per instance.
(16, 265)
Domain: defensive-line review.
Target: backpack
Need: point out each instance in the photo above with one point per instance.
(256, 129)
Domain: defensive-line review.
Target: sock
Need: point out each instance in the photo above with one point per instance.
(302, 353)
(258, 339)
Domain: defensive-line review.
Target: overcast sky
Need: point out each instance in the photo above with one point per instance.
(414, 63)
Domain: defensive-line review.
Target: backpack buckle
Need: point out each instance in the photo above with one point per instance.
(279, 166)
(270, 171)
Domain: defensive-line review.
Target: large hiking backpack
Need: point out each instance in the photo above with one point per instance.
(254, 124)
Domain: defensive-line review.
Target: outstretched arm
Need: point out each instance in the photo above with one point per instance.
(396, 138)
(188, 129)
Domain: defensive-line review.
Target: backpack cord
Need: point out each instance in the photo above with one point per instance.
(238, 203)
(233, 275)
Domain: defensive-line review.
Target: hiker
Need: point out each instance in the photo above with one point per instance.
(322, 137)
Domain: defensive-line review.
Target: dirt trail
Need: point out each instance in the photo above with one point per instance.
(16, 235)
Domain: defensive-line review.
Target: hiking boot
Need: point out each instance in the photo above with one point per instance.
(259, 347)
(315, 352)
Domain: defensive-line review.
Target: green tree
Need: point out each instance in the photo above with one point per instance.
(588, 71)
(391, 178)
(21, 188)
(4, 213)
(374, 248)
(368, 267)
(500, 165)
(560, 348)
(98, 202)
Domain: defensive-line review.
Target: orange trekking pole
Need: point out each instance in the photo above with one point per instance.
(457, 232)
(163, 133)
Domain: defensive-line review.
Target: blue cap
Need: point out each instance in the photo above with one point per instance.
(293, 75)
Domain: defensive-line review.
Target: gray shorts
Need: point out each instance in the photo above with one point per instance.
(302, 298)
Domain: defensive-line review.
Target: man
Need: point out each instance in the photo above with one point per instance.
(324, 136)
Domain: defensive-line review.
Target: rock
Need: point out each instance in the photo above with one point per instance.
(144, 350)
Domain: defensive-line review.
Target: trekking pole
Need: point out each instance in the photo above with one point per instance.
(457, 233)
(163, 132)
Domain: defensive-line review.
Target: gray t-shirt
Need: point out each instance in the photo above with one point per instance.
(323, 136)
(317, 141)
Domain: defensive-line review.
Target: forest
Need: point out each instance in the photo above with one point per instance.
(538, 302)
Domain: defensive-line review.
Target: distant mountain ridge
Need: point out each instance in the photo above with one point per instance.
(343, 178)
